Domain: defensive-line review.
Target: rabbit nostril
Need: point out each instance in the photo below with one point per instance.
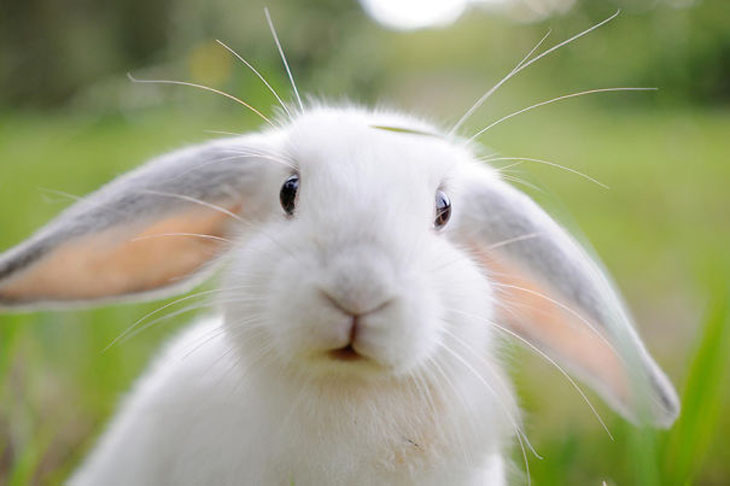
(336, 303)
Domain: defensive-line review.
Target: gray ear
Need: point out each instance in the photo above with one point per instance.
(146, 234)
(555, 296)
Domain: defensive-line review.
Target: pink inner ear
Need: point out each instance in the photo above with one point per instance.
(554, 330)
(122, 261)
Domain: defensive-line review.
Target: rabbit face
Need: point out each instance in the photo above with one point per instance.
(356, 274)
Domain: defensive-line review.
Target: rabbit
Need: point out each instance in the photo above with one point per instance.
(372, 267)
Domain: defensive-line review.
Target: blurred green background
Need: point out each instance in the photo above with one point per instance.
(71, 120)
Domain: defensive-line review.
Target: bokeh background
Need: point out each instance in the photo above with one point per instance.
(71, 120)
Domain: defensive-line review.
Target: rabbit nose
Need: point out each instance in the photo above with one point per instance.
(349, 306)
(359, 282)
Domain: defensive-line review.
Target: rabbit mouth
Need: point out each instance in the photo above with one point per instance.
(346, 353)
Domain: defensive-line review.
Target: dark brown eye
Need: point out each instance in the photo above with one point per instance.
(288, 194)
(443, 210)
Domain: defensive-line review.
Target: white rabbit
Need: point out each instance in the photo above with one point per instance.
(371, 264)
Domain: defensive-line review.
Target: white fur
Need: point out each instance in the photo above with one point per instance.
(259, 395)
(254, 398)
(198, 417)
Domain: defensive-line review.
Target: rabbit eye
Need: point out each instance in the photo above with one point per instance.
(288, 194)
(443, 210)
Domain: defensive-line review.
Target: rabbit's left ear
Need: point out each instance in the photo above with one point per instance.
(553, 295)
(146, 234)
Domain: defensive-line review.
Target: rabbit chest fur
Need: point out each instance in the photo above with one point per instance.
(201, 418)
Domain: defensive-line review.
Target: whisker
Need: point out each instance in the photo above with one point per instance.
(504, 168)
(170, 304)
(544, 356)
(224, 132)
(194, 200)
(471, 257)
(204, 88)
(571, 39)
(432, 363)
(523, 182)
(267, 156)
(549, 163)
(521, 437)
(66, 195)
(273, 91)
(239, 155)
(192, 235)
(283, 57)
(494, 393)
(176, 313)
(519, 433)
(553, 100)
(516, 239)
(154, 312)
(562, 306)
(221, 210)
(494, 88)
(245, 325)
(523, 65)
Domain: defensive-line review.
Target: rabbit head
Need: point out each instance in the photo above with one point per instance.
(362, 248)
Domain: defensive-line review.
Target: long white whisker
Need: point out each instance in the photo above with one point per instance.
(219, 209)
(248, 325)
(283, 58)
(193, 235)
(504, 168)
(553, 100)
(459, 436)
(176, 313)
(204, 88)
(56, 192)
(131, 328)
(568, 41)
(494, 88)
(238, 155)
(521, 436)
(516, 239)
(565, 307)
(562, 371)
(194, 200)
(493, 246)
(273, 91)
(484, 382)
(551, 164)
(224, 132)
(523, 65)
(154, 312)
(540, 353)
(518, 180)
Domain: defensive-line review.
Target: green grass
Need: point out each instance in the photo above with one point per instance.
(663, 229)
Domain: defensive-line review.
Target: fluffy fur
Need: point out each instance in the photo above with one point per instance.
(357, 343)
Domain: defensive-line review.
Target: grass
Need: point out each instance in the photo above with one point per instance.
(662, 229)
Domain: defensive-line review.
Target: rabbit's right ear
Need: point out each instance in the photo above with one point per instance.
(146, 234)
(552, 295)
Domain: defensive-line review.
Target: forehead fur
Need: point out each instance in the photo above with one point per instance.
(348, 134)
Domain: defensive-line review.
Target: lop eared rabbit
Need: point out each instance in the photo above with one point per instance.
(372, 263)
